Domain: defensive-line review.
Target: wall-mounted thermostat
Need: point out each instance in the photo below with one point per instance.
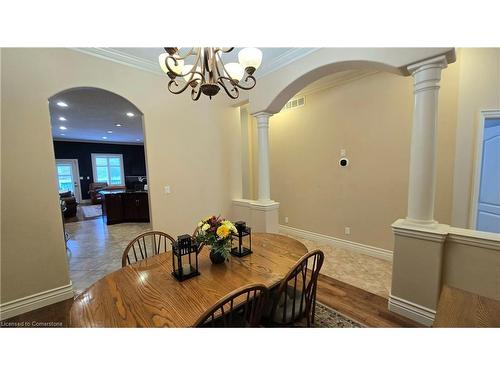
(344, 162)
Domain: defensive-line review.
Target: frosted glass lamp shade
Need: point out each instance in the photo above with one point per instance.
(250, 58)
(177, 69)
(235, 71)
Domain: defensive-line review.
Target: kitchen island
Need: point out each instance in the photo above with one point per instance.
(121, 206)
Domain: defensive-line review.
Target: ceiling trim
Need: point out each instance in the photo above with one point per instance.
(99, 141)
(284, 59)
(119, 57)
(122, 58)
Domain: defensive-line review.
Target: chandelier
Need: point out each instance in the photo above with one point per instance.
(208, 73)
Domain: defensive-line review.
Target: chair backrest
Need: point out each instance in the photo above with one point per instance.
(93, 186)
(242, 307)
(296, 296)
(145, 245)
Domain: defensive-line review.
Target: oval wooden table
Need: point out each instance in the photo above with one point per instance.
(146, 294)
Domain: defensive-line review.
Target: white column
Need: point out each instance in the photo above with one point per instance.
(422, 183)
(264, 194)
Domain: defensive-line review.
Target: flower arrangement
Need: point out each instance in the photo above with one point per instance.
(216, 232)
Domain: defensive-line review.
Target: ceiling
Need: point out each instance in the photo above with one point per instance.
(91, 114)
(147, 58)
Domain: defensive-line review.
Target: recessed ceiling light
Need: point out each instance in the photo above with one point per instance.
(110, 131)
(62, 118)
(63, 127)
(130, 114)
(61, 104)
(119, 125)
(104, 137)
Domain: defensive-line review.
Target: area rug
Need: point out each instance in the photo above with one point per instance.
(91, 211)
(327, 317)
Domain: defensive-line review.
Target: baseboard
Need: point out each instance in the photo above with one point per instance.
(411, 310)
(35, 301)
(373, 251)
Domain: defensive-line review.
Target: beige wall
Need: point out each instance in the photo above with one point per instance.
(193, 147)
(471, 261)
(479, 90)
(371, 119)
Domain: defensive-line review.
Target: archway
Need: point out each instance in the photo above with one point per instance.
(101, 177)
(425, 66)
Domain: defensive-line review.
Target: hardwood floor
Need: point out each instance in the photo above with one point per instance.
(358, 304)
(53, 316)
(365, 307)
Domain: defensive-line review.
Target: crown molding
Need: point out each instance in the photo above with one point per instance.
(122, 58)
(284, 59)
(97, 141)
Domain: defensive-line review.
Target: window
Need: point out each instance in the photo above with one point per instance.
(108, 168)
(64, 177)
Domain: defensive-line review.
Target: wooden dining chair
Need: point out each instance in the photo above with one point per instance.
(241, 308)
(295, 298)
(145, 245)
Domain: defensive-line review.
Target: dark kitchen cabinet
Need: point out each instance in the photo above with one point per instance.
(124, 206)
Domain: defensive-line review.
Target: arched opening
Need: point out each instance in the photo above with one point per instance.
(336, 112)
(342, 70)
(101, 177)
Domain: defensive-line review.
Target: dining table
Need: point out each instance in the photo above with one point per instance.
(146, 294)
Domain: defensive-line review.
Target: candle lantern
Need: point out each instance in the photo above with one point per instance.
(185, 258)
(243, 231)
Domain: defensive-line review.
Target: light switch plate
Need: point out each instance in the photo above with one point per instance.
(167, 189)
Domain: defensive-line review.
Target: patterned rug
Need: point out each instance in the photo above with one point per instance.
(91, 211)
(327, 317)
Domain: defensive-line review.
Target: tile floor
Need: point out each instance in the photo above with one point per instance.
(95, 249)
(363, 271)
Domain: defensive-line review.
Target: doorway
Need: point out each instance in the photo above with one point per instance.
(485, 213)
(100, 162)
(68, 177)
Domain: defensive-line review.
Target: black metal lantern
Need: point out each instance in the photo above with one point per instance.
(243, 231)
(183, 252)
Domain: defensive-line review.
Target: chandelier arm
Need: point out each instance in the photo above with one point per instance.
(192, 73)
(174, 83)
(225, 50)
(252, 84)
(188, 53)
(220, 81)
(175, 61)
(195, 95)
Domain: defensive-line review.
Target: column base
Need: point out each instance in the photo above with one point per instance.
(420, 223)
(416, 269)
(262, 216)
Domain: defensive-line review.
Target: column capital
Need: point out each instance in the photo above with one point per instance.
(436, 62)
(262, 118)
(427, 74)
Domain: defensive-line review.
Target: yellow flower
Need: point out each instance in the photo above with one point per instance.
(205, 227)
(230, 225)
(200, 224)
(223, 231)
